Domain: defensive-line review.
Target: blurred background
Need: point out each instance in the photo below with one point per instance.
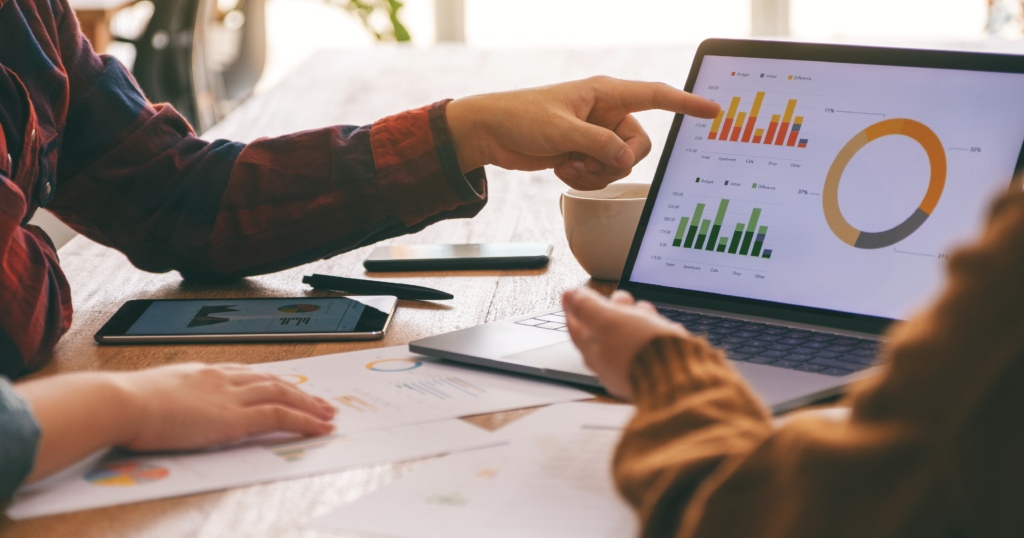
(207, 56)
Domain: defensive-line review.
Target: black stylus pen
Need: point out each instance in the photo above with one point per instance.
(357, 286)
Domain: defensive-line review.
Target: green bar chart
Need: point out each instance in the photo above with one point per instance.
(748, 236)
(692, 234)
(736, 236)
(702, 234)
(680, 232)
(759, 240)
(717, 228)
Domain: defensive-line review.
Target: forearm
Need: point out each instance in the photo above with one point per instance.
(78, 414)
(222, 209)
(693, 412)
(35, 300)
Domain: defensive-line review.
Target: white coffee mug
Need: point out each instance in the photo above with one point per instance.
(600, 225)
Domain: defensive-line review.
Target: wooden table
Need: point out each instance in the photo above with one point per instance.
(345, 87)
(94, 18)
(352, 87)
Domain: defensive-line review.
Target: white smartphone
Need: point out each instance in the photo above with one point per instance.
(174, 321)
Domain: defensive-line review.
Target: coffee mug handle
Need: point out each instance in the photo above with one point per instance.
(561, 204)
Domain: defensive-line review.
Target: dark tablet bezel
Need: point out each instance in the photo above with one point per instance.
(966, 61)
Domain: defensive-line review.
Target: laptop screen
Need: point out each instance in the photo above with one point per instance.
(831, 185)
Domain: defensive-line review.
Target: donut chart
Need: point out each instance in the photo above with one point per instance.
(394, 365)
(928, 140)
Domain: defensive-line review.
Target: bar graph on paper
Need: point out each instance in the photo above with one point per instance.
(297, 450)
(747, 238)
(734, 125)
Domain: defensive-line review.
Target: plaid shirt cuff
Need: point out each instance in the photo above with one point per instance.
(417, 170)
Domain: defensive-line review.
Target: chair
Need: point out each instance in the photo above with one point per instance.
(201, 60)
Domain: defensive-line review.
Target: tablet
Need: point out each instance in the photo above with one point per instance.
(249, 320)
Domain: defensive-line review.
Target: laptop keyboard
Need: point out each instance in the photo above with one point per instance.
(762, 343)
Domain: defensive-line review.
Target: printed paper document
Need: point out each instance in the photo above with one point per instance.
(553, 480)
(385, 387)
(392, 405)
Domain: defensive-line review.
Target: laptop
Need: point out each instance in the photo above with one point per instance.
(816, 210)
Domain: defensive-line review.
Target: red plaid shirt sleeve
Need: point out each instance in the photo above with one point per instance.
(133, 176)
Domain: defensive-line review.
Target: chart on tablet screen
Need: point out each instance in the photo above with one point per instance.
(839, 186)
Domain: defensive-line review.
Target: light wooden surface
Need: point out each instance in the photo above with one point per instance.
(346, 87)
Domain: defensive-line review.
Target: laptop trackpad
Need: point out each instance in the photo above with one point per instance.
(563, 356)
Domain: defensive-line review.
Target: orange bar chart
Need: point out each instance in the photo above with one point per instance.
(796, 131)
(790, 107)
(754, 111)
(736, 129)
(732, 125)
(729, 118)
(716, 125)
(772, 127)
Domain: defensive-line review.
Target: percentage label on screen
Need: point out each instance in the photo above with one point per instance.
(801, 191)
(975, 150)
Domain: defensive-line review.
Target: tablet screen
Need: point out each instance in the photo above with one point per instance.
(835, 186)
(257, 316)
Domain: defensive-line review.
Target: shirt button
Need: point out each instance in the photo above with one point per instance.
(47, 190)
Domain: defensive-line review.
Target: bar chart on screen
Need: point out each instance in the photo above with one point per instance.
(711, 236)
(731, 125)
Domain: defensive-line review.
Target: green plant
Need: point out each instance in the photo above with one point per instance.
(365, 9)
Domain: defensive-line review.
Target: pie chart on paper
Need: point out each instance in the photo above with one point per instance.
(126, 474)
(298, 308)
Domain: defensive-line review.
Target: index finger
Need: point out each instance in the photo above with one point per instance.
(637, 96)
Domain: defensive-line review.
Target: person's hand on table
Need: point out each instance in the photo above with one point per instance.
(611, 332)
(584, 129)
(196, 405)
(179, 407)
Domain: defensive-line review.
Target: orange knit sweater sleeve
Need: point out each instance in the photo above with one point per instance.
(933, 447)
